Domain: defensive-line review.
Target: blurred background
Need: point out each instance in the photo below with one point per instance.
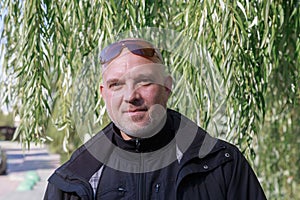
(236, 66)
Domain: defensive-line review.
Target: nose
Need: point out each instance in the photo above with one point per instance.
(132, 95)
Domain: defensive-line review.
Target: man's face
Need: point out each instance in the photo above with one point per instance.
(135, 91)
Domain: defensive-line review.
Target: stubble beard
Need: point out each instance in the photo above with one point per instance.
(157, 117)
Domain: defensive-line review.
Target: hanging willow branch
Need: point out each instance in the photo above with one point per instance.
(236, 66)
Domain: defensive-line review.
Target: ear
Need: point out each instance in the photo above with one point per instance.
(101, 91)
(168, 84)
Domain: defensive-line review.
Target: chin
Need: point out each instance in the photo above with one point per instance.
(145, 130)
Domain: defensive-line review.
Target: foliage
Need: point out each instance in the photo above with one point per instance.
(6, 119)
(243, 85)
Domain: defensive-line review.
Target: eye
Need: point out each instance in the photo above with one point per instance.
(115, 85)
(145, 82)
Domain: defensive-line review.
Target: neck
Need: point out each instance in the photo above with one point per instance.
(125, 136)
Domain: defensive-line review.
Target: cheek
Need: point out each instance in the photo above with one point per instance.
(154, 95)
(112, 100)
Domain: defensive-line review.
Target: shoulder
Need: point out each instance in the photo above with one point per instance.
(200, 143)
(218, 164)
(88, 157)
(99, 140)
(217, 151)
(219, 156)
(204, 148)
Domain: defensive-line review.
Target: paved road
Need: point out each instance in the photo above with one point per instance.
(24, 166)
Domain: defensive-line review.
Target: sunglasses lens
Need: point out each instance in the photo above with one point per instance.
(110, 53)
(141, 48)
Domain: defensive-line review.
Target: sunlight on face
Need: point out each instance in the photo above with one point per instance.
(136, 91)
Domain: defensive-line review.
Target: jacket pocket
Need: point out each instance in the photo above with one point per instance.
(113, 193)
(163, 191)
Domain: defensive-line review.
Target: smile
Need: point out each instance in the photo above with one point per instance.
(136, 112)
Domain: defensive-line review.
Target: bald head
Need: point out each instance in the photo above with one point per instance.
(135, 90)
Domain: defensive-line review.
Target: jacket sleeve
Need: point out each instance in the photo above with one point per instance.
(243, 182)
(53, 193)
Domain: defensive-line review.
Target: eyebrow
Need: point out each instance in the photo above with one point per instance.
(113, 80)
(145, 76)
(139, 76)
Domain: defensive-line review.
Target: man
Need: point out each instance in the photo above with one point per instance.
(149, 151)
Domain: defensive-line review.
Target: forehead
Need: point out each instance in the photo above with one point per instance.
(128, 64)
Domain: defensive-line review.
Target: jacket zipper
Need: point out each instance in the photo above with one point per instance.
(141, 176)
(157, 187)
(141, 186)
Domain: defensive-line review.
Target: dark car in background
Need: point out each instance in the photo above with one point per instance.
(3, 162)
(7, 132)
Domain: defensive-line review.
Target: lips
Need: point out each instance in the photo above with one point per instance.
(136, 110)
(136, 113)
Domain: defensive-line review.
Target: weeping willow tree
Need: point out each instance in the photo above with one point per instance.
(236, 65)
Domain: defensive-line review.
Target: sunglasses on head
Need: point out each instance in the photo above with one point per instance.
(135, 46)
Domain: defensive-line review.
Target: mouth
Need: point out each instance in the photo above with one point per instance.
(137, 115)
(136, 110)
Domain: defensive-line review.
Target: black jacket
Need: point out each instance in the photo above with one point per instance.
(180, 162)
